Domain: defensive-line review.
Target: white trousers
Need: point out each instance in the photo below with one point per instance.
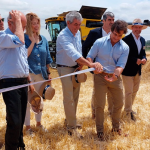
(34, 78)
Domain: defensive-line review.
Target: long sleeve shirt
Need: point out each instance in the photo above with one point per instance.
(13, 56)
(68, 48)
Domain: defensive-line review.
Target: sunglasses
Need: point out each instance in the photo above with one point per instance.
(2, 20)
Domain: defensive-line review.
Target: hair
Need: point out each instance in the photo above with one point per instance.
(9, 17)
(108, 13)
(73, 15)
(119, 25)
(30, 17)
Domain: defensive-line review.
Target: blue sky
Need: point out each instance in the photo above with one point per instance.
(123, 9)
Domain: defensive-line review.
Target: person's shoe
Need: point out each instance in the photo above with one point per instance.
(119, 132)
(30, 132)
(74, 132)
(79, 126)
(134, 112)
(133, 116)
(42, 128)
(100, 135)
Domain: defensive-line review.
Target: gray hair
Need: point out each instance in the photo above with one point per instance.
(73, 15)
(9, 17)
(110, 14)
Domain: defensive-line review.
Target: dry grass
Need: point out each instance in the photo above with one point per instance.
(53, 118)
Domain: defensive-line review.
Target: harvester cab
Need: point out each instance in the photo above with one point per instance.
(91, 20)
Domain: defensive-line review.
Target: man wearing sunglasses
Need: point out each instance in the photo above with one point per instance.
(1, 23)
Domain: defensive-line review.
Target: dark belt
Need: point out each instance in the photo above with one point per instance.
(107, 74)
(18, 80)
(76, 66)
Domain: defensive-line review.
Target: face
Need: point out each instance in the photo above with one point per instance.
(136, 29)
(35, 25)
(108, 22)
(1, 23)
(74, 26)
(115, 36)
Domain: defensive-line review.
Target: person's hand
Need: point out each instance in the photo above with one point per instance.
(15, 16)
(143, 61)
(80, 67)
(138, 61)
(98, 67)
(32, 38)
(111, 79)
(32, 89)
(49, 77)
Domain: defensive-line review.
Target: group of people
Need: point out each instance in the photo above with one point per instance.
(25, 58)
(116, 57)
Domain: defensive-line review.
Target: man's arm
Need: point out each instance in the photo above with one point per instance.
(16, 20)
(115, 76)
(144, 59)
(98, 67)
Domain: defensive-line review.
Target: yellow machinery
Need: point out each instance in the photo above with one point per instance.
(91, 20)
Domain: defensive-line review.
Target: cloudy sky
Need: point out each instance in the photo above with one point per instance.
(123, 9)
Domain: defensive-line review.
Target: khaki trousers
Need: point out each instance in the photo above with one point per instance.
(109, 101)
(116, 89)
(131, 86)
(70, 96)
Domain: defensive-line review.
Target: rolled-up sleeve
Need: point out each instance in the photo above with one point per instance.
(70, 50)
(9, 41)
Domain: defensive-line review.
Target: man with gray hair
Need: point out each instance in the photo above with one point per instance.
(68, 58)
(1, 23)
(108, 20)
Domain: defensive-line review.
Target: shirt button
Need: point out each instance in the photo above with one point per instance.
(37, 46)
(38, 55)
(38, 63)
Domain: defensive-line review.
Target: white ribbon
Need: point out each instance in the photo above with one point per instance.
(24, 85)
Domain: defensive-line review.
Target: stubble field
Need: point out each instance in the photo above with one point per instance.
(57, 138)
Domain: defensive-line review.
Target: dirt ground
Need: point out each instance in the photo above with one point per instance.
(57, 138)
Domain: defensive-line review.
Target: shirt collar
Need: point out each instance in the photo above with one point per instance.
(68, 30)
(105, 32)
(8, 31)
(135, 36)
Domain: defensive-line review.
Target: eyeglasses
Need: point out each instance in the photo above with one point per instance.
(2, 20)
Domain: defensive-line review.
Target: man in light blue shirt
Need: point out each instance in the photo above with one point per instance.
(14, 71)
(68, 57)
(112, 53)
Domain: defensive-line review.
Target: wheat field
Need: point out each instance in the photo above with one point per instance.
(57, 138)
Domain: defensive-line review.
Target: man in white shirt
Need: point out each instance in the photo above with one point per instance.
(131, 74)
